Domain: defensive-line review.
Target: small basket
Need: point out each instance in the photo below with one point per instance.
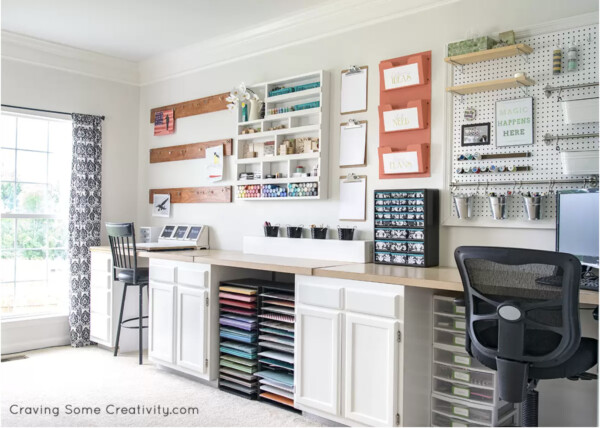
(294, 231)
(318, 232)
(271, 231)
(346, 233)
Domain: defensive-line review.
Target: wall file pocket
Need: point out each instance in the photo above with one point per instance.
(404, 112)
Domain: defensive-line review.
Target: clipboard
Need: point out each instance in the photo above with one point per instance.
(354, 90)
(353, 144)
(353, 207)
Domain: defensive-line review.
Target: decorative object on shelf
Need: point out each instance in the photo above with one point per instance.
(497, 206)
(507, 37)
(476, 134)
(556, 60)
(404, 116)
(256, 106)
(250, 130)
(572, 58)
(244, 111)
(470, 113)
(164, 122)
(239, 95)
(353, 94)
(514, 122)
(161, 205)
(471, 45)
(407, 227)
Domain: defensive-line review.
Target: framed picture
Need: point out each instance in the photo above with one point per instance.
(477, 134)
(514, 122)
(161, 206)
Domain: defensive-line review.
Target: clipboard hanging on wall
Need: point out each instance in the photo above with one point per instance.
(353, 143)
(354, 90)
(353, 197)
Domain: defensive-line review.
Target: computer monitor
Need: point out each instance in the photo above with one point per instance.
(577, 224)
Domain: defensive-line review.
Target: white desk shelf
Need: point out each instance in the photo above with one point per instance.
(309, 123)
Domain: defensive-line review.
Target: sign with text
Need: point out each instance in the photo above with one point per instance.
(399, 77)
(400, 162)
(401, 120)
(514, 122)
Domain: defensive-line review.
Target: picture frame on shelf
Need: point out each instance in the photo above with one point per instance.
(475, 134)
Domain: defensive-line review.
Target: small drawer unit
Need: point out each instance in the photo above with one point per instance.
(407, 227)
(464, 391)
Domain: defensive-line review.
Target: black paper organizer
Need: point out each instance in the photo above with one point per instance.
(406, 223)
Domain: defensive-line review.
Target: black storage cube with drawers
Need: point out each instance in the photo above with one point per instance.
(407, 227)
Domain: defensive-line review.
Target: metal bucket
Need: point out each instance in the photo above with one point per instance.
(533, 207)
(498, 207)
(463, 205)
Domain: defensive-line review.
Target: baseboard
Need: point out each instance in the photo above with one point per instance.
(19, 335)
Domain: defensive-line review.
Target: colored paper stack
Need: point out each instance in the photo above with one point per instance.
(303, 189)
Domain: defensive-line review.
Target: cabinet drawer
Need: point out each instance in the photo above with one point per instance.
(162, 273)
(101, 262)
(99, 327)
(449, 322)
(469, 377)
(372, 303)
(464, 392)
(100, 300)
(445, 305)
(439, 420)
(320, 295)
(478, 414)
(100, 280)
(457, 359)
(450, 338)
(191, 276)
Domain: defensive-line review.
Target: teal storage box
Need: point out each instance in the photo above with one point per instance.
(471, 45)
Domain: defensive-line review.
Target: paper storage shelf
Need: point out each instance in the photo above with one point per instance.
(471, 413)
(457, 359)
(449, 338)
(480, 395)
(449, 323)
(446, 305)
(465, 376)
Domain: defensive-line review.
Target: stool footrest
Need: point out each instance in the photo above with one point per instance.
(137, 319)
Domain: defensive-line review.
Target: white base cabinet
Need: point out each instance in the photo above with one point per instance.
(352, 339)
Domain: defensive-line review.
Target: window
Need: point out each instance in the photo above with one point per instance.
(35, 174)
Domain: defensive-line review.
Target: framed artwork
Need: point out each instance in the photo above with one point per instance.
(514, 122)
(161, 205)
(476, 134)
(164, 122)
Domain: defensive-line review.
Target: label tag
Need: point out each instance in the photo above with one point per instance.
(460, 411)
(460, 324)
(461, 392)
(465, 377)
(462, 360)
(399, 77)
(459, 310)
(459, 340)
(400, 120)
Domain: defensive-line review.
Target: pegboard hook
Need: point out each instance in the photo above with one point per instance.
(453, 190)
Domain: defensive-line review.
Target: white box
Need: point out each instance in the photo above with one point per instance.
(580, 111)
(579, 162)
(149, 233)
(320, 249)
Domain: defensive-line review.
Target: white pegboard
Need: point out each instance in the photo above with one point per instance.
(544, 162)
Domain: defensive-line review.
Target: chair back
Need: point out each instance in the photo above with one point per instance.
(522, 311)
(122, 245)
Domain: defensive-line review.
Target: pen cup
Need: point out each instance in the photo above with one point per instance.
(271, 231)
(533, 207)
(498, 207)
(346, 233)
(463, 205)
(294, 231)
(318, 232)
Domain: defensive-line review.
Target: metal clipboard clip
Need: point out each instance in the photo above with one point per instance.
(352, 178)
(352, 123)
(354, 69)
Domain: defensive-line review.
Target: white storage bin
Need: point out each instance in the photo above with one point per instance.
(466, 376)
(580, 111)
(449, 322)
(579, 162)
(457, 359)
(479, 395)
(478, 414)
(450, 338)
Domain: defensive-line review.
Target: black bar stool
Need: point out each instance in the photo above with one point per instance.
(125, 269)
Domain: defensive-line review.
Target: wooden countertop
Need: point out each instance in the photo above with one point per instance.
(437, 278)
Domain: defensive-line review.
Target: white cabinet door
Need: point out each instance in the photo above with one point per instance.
(371, 367)
(318, 359)
(161, 317)
(191, 328)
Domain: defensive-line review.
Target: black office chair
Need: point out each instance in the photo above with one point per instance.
(522, 311)
(126, 270)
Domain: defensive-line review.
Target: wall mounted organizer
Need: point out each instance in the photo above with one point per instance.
(407, 227)
(194, 195)
(544, 172)
(188, 151)
(404, 116)
(194, 107)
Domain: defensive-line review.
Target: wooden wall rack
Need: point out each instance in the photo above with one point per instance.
(194, 107)
(194, 195)
(188, 151)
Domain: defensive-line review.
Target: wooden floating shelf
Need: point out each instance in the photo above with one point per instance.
(503, 52)
(491, 85)
(188, 151)
(194, 195)
(194, 107)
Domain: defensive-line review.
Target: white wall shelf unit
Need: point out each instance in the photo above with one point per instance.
(281, 112)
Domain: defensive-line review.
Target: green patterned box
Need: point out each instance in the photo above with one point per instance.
(471, 45)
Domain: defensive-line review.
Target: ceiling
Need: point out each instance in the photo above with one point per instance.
(135, 30)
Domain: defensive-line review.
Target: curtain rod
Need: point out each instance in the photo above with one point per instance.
(42, 110)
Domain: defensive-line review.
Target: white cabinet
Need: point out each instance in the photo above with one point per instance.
(318, 346)
(352, 346)
(371, 361)
(161, 337)
(179, 322)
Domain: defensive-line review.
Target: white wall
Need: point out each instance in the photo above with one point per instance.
(363, 46)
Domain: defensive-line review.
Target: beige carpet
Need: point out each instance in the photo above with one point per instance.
(58, 377)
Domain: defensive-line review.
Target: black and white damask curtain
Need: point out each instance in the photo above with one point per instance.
(84, 220)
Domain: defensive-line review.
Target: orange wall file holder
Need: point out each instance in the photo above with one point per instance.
(403, 100)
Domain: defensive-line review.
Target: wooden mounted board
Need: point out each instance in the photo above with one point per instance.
(194, 107)
(195, 195)
(188, 151)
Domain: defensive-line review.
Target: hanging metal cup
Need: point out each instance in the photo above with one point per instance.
(498, 207)
(463, 205)
(533, 207)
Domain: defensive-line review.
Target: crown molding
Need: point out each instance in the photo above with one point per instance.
(17, 47)
(322, 21)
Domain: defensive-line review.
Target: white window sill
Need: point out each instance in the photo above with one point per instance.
(35, 319)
